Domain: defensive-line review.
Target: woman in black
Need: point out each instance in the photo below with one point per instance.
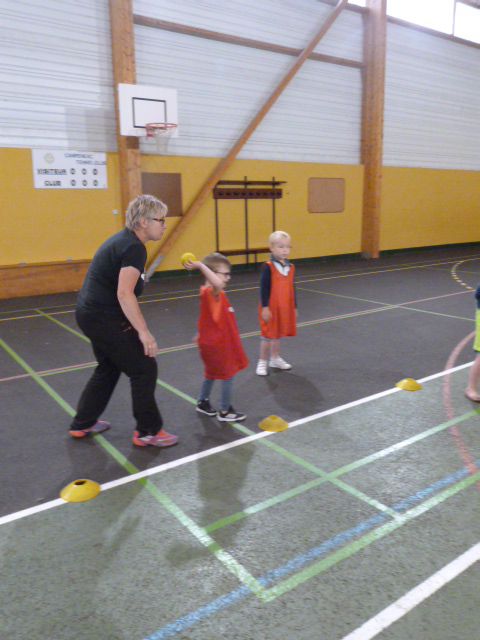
(109, 314)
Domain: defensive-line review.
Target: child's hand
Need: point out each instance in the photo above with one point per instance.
(266, 314)
(190, 265)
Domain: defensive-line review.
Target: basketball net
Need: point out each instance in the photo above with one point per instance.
(161, 133)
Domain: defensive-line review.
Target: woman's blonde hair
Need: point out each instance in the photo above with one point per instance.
(144, 206)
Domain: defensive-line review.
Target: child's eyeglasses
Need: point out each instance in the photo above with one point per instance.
(227, 274)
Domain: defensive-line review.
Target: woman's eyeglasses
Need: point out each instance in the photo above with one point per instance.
(160, 220)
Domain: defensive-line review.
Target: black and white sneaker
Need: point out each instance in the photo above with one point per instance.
(204, 406)
(230, 416)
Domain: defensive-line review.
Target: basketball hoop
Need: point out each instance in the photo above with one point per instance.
(158, 129)
(161, 132)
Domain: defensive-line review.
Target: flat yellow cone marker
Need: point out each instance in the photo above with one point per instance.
(409, 384)
(187, 257)
(273, 423)
(80, 491)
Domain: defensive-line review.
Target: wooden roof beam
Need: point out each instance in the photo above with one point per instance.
(217, 36)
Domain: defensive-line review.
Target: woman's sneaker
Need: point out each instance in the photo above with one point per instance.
(230, 416)
(160, 439)
(99, 427)
(279, 363)
(204, 406)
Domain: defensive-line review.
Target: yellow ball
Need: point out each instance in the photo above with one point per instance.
(187, 257)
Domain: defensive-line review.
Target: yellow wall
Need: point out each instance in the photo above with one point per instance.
(43, 225)
(421, 207)
(426, 207)
(312, 234)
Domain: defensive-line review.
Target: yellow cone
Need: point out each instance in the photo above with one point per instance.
(80, 491)
(187, 257)
(409, 384)
(273, 423)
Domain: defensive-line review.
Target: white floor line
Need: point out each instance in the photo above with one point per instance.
(413, 598)
(18, 515)
(375, 396)
(224, 447)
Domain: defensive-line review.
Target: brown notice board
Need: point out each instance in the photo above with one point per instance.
(326, 195)
(167, 187)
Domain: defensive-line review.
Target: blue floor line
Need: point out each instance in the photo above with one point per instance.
(187, 621)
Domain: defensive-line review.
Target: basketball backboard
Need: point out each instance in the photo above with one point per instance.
(141, 104)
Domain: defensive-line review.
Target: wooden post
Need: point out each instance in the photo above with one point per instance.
(123, 60)
(372, 123)
(226, 162)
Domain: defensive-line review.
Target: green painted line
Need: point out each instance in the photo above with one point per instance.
(261, 506)
(298, 460)
(266, 504)
(340, 471)
(223, 556)
(176, 391)
(198, 532)
(118, 456)
(403, 305)
(46, 387)
(338, 295)
(354, 547)
(63, 325)
(338, 483)
(404, 443)
(435, 313)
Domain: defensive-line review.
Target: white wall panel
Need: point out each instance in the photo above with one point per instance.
(432, 101)
(221, 87)
(56, 82)
(290, 23)
(56, 76)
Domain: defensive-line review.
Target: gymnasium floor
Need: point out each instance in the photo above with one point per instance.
(371, 495)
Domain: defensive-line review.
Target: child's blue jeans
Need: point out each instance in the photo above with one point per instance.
(226, 397)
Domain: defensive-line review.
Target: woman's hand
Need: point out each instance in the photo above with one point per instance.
(266, 314)
(150, 347)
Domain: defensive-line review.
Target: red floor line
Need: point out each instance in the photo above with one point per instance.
(465, 454)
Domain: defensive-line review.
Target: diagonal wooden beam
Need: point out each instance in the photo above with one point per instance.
(226, 162)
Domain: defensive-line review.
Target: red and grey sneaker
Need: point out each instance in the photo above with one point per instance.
(160, 439)
(99, 427)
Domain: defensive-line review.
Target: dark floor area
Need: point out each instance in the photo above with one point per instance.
(363, 325)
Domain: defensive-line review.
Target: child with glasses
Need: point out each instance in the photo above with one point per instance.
(218, 337)
(278, 307)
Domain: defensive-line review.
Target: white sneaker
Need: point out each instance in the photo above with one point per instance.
(262, 368)
(279, 363)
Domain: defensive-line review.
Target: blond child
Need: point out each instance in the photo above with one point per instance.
(277, 310)
(218, 337)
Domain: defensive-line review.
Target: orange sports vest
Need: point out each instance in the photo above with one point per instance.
(282, 306)
(218, 337)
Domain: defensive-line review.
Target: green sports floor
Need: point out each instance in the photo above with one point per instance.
(361, 520)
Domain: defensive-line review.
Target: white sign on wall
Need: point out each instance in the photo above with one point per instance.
(54, 169)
